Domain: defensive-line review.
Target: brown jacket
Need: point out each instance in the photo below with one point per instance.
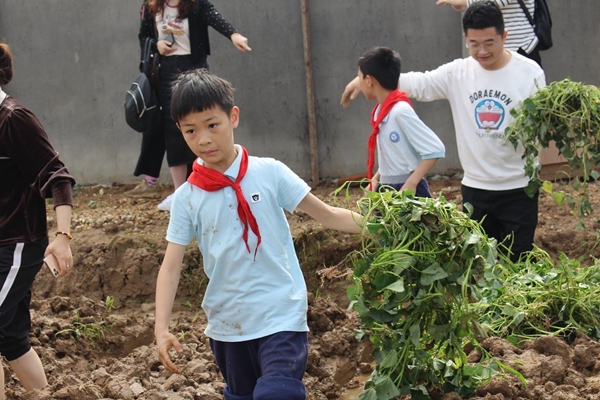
(30, 172)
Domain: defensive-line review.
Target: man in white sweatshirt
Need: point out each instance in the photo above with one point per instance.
(482, 89)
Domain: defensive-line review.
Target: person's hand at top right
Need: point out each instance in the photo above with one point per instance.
(350, 92)
(458, 5)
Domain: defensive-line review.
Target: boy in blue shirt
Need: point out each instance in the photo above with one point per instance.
(407, 149)
(256, 300)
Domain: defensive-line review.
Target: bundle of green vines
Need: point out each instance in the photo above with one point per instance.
(567, 113)
(413, 285)
(538, 297)
(429, 285)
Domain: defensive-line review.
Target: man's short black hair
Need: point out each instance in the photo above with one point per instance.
(483, 15)
(199, 90)
(383, 64)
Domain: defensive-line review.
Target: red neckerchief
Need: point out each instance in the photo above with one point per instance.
(211, 180)
(394, 97)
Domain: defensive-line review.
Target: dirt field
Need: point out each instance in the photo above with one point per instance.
(94, 328)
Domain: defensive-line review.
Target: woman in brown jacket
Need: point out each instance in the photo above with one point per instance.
(30, 172)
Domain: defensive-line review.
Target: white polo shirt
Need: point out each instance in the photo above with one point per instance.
(246, 298)
(403, 142)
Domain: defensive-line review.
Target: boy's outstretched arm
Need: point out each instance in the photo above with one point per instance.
(166, 288)
(351, 90)
(331, 217)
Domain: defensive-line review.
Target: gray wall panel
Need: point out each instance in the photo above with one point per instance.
(74, 61)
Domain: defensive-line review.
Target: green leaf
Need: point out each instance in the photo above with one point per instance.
(374, 228)
(547, 186)
(360, 266)
(529, 106)
(558, 197)
(439, 333)
(439, 364)
(352, 292)
(369, 394)
(468, 207)
(473, 238)
(432, 273)
(416, 214)
(390, 360)
(385, 388)
(397, 286)
(415, 334)
(383, 280)
(402, 262)
(509, 310)
(360, 308)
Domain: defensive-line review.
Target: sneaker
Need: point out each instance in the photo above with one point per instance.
(144, 191)
(165, 205)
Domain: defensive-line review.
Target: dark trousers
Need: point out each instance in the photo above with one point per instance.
(269, 368)
(168, 139)
(422, 188)
(509, 216)
(19, 264)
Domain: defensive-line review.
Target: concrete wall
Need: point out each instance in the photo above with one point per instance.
(74, 61)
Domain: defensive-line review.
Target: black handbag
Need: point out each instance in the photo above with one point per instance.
(541, 22)
(143, 112)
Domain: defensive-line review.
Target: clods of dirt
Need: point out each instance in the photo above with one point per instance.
(94, 328)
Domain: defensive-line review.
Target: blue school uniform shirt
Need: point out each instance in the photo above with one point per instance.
(246, 298)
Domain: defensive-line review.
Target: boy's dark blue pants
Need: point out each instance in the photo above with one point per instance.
(268, 368)
(422, 188)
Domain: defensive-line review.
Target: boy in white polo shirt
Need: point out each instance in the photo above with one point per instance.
(407, 149)
(256, 300)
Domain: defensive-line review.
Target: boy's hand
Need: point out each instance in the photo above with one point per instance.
(350, 92)
(165, 342)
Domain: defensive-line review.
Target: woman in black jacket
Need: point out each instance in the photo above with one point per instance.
(181, 30)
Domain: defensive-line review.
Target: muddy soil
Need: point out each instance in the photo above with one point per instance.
(94, 328)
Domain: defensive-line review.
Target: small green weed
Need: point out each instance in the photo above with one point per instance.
(92, 331)
(109, 303)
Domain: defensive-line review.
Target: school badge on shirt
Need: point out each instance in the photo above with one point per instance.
(255, 197)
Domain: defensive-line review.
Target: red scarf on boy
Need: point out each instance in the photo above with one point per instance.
(212, 180)
(394, 97)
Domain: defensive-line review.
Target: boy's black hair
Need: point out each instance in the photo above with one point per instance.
(483, 15)
(198, 90)
(383, 64)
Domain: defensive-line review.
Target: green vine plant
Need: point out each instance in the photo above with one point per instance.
(568, 114)
(420, 270)
(537, 297)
